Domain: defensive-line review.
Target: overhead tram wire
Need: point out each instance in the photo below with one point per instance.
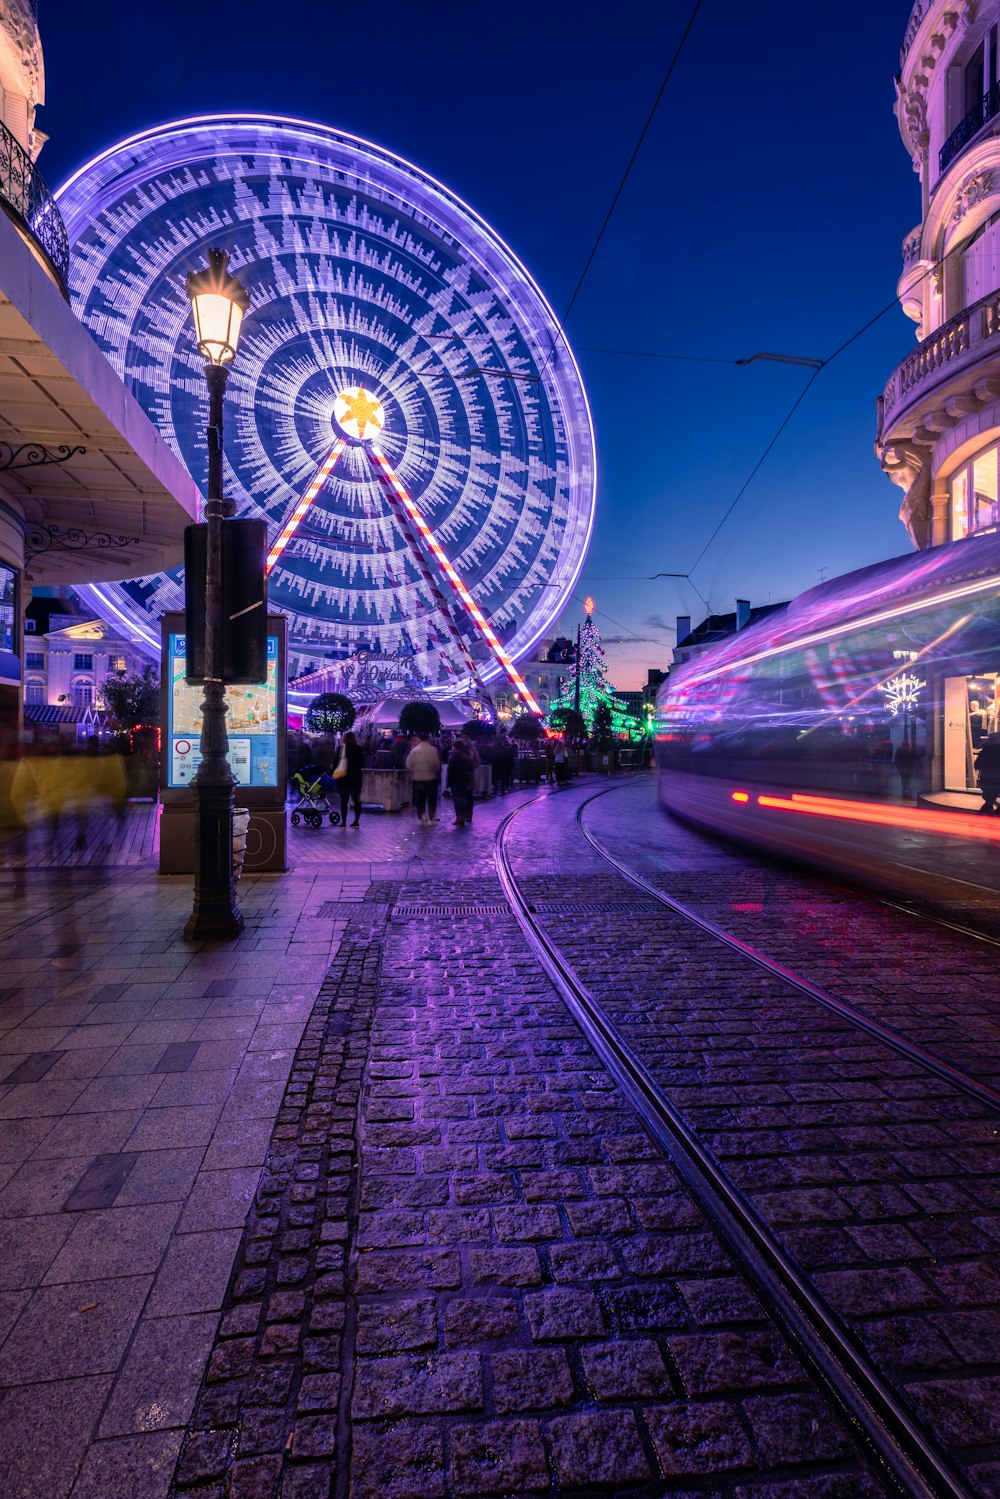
(560, 331)
(821, 365)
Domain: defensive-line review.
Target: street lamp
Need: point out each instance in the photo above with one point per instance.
(218, 303)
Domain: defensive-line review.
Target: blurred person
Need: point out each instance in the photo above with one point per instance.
(348, 784)
(907, 763)
(462, 764)
(503, 764)
(988, 772)
(424, 764)
(550, 763)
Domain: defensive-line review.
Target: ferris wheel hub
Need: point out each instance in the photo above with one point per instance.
(359, 414)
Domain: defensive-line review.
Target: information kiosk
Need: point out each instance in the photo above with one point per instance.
(257, 723)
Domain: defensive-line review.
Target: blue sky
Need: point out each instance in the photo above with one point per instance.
(765, 211)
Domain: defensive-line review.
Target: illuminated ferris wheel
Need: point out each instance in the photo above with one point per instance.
(403, 412)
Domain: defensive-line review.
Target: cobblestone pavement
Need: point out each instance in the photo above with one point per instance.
(348, 1208)
(879, 1179)
(468, 1271)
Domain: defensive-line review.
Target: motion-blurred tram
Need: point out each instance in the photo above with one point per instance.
(845, 729)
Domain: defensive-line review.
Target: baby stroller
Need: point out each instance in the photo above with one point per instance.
(315, 788)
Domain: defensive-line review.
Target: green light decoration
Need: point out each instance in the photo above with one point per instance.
(602, 710)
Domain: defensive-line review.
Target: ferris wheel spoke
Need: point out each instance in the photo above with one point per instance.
(430, 541)
(293, 522)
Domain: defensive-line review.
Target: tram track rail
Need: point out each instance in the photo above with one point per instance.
(928, 1060)
(908, 1456)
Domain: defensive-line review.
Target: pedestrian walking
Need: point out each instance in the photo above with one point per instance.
(988, 772)
(424, 764)
(462, 764)
(347, 775)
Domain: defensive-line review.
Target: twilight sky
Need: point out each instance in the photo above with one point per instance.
(765, 212)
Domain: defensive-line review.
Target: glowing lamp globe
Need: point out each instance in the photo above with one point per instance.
(218, 303)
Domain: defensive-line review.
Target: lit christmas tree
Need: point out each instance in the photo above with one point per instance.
(595, 689)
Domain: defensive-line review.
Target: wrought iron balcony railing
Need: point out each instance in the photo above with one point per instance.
(980, 115)
(29, 203)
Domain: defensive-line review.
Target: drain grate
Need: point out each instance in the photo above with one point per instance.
(416, 912)
(597, 908)
(346, 907)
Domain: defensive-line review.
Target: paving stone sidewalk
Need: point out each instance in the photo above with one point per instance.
(139, 1082)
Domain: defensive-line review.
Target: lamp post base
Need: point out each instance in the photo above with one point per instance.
(215, 916)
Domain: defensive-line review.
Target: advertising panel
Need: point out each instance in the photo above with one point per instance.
(252, 722)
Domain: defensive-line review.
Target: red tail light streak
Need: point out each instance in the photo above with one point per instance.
(911, 819)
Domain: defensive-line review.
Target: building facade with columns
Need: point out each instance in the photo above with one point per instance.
(938, 434)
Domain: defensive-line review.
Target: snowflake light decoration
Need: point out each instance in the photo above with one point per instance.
(902, 693)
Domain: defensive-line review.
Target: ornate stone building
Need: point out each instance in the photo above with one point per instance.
(89, 490)
(939, 417)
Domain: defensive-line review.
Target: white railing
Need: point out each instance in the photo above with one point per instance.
(962, 340)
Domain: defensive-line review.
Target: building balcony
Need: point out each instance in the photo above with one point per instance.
(981, 113)
(936, 367)
(32, 209)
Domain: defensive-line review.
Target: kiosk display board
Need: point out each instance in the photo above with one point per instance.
(256, 724)
(252, 722)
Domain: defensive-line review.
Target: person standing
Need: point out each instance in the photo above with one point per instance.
(907, 762)
(424, 764)
(550, 763)
(351, 763)
(503, 764)
(461, 779)
(988, 772)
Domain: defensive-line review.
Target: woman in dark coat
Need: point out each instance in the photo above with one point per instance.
(349, 785)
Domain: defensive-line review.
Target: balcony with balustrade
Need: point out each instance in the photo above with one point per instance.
(32, 209)
(943, 369)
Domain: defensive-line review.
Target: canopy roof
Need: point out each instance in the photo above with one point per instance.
(120, 503)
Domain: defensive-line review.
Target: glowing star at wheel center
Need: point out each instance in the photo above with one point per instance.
(359, 414)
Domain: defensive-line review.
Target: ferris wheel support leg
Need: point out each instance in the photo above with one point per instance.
(410, 536)
(293, 522)
(437, 552)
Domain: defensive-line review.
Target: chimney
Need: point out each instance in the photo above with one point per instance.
(742, 613)
(683, 627)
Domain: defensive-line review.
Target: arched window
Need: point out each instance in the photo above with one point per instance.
(34, 692)
(975, 494)
(83, 694)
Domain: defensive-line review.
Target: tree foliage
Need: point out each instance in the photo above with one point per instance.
(419, 717)
(568, 721)
(132, 697)
(330, 713)
(527, 728)
(603, 726)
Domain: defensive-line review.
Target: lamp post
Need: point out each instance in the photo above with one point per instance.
(218, 303)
